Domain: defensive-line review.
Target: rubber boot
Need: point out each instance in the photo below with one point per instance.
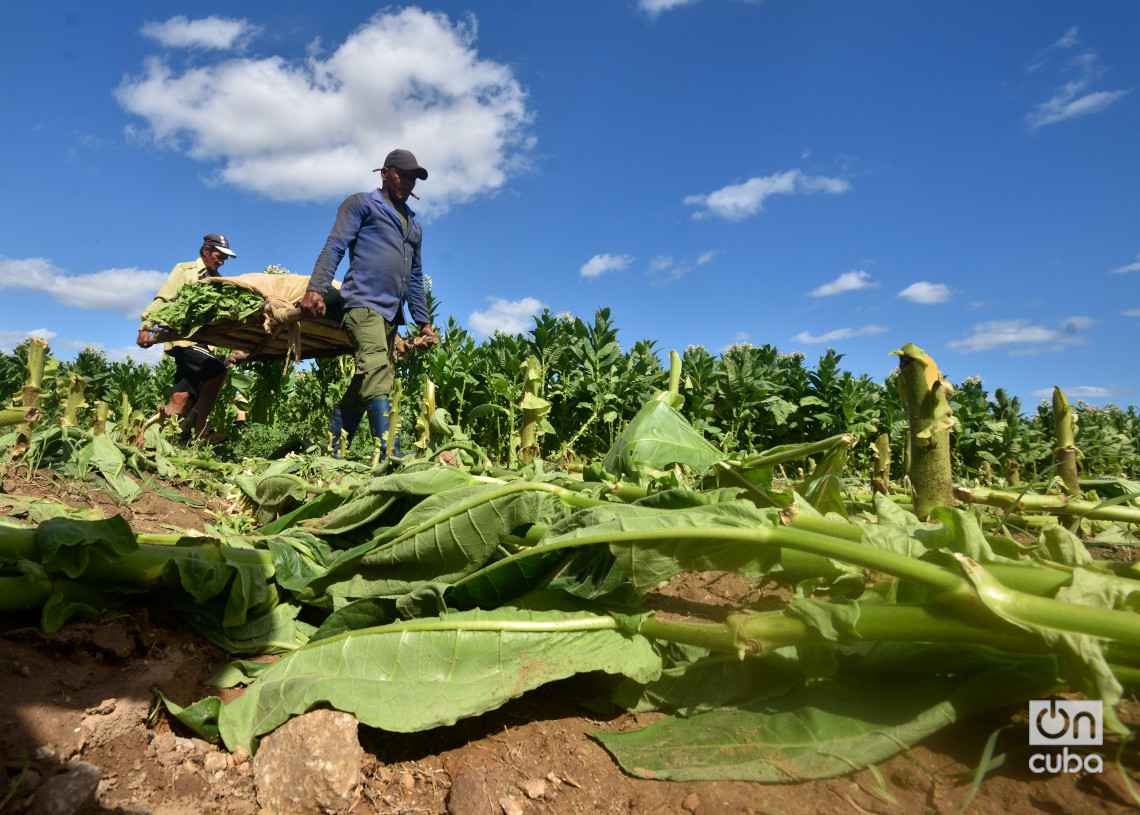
(342, 425)
(379, 420)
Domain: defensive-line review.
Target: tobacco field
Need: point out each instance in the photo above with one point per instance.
(773, 585)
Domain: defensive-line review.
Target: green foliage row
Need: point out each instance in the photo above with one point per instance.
(744, 400)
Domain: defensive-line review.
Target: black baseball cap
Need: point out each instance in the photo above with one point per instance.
(218, 242)
(404, 160)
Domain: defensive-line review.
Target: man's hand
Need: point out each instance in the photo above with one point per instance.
(427, 338)
(146, 338)
(312, 305)
(236, 356)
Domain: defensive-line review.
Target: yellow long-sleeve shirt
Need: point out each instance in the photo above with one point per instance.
(190, 272)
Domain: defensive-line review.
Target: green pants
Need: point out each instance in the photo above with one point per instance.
(372, 337)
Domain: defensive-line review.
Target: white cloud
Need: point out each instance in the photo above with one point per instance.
(125, 291)
(1132, 312)
(600, 264)
(1131, 267)
(314, 128)
(848, 281)
(655, 7)
(1074, 97)
(211, 33)
(151, 356)
(926, 293)
(507, 316)
(1023, 335)
(1069, 103)
(60, 345)
(663, 270)
(1079, 392)
(738, 201)
(1068, 39)
(707, 256)
(10, 338)
(839, 334)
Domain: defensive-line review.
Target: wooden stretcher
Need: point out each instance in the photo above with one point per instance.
(321, 337)
(277, 331)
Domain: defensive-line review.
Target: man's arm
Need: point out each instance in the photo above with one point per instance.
(417, 303)
(174, 281)
(349, 217)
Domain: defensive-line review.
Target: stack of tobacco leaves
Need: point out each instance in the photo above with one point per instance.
(197, 306)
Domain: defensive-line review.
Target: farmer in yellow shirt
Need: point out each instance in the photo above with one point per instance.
(199, 374)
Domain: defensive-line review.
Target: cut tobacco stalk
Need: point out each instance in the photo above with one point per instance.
(925, 394)
(102, 410)
(1066, 451)
(534, 409)
(881, 471)
(30, 399)
(74, 401)
(423, 421)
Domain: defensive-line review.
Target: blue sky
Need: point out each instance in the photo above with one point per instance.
(808, 175)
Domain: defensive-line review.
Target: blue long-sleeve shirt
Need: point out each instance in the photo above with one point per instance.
(384, 269)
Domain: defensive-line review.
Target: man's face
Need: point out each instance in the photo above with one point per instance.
(398, 184)
(213, 259)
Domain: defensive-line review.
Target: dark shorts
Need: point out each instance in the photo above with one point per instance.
(192, 367)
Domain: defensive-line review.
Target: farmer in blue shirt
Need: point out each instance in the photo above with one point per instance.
(382, 238)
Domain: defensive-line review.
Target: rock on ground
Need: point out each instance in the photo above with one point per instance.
(71, 792)
(309, 764)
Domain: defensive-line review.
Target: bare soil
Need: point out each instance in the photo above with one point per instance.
(84, 693)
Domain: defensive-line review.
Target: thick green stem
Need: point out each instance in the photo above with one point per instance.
(1041, 612)
(1053, 504)
(100, 426)
(925, 394)
(20, 593)
(1066, 450)
(534, 409)
(758, 494)
(394, 421)
(948, 585)
(758, 634)
(794, 452)
(11, 416)
(74, 401)
(950, 588)
(881, 471)
(148, 563)
(470, 447)
(30, 400)
(1031, 577)
(423, 422)
(143, 566)
(125, 419)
